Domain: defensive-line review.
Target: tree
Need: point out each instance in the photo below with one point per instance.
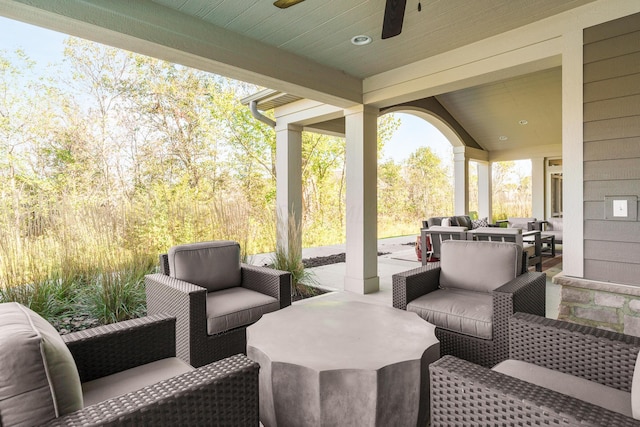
(430, 192)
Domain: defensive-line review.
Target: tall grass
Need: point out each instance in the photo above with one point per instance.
(118, 294)
(289, 258)
(87, 259)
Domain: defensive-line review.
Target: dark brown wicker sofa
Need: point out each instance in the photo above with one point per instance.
(214, 298)
(561, 374)
(120, 374)
(470, 295)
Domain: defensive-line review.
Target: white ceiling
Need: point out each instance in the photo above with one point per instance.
(494, 110)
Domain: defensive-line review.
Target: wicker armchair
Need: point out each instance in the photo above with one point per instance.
(61, 381)
(463, 393)
(212, 311)
(470, 295)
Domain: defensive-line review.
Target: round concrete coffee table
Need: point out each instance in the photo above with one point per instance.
(343, 363)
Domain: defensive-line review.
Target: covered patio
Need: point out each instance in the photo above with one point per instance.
(448, 65)
(503, 80)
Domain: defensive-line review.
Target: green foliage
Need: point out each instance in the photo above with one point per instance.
(51, 297)
(117, 295)
(105, 167)
(511, 191)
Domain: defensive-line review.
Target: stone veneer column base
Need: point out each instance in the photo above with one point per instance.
(605, 305)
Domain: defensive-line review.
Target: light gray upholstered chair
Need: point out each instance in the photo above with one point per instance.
(529, 240)
(551, 226)
(214, 297)
(470, 296)
(125, 373)
(523, 223)
(433, 237)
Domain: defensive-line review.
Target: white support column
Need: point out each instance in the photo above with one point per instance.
(362, 216)
(288, 185)
(461, 181)
(573, 154)
(484, 190)
(537, 188)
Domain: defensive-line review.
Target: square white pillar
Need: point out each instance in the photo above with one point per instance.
(288, 185)
(537, 188)
(461, 181)
(573, 154)
(362, 192)
(484, 190)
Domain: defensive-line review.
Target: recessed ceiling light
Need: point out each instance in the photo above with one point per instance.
(523, 122)
(361, 40)
(503, 138)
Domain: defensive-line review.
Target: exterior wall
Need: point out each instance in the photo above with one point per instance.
(600, 304)
(611, 147)
(608, 294)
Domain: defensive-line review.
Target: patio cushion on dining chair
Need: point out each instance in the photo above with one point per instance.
(213, 265)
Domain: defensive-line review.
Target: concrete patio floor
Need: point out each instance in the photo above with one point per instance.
(399, 256)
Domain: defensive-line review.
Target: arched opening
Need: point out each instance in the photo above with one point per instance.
(415, 172)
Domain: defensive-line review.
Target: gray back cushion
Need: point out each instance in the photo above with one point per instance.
(463, 221)
(523, 223)
(212, 265)
(39, 380)
(554, 224)
(478, 266)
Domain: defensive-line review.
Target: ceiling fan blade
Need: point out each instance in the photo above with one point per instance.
(393, 17)
(283, 4)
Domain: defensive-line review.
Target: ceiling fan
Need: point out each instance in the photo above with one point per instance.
(393, 15)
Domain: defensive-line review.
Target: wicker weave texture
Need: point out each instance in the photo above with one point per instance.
(594, 354)
(187, 303)
(467, 394)
(119, 346)
(524, 293)
(224, 393)
(409, 285)
(275, 283)
(182, 300)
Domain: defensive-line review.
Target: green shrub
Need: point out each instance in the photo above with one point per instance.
(117, 295)
(51, 298)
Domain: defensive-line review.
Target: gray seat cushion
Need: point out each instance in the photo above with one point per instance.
(457, 310)
(234, 307)
(580, 388)
(212, 265)
(39, 380)
(488, 265)
(133, 379)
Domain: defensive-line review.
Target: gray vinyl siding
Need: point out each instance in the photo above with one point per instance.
(611, 147)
